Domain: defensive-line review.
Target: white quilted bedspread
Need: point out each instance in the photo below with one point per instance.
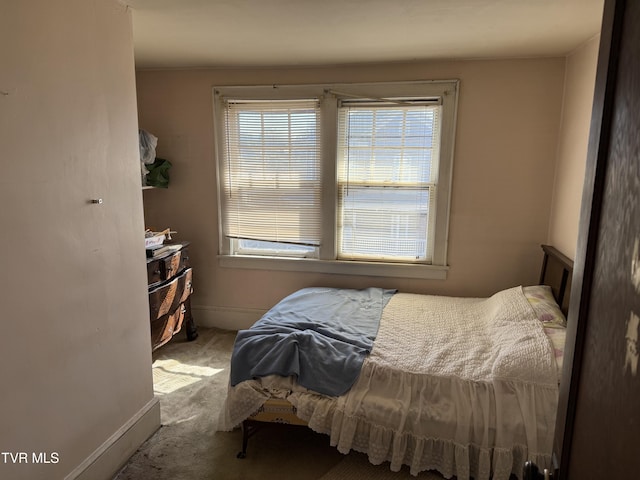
(462, 385)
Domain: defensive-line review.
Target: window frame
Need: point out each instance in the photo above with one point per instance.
(445, 91)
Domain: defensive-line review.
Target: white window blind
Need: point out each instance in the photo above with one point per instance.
(271, 175)
(387, 179)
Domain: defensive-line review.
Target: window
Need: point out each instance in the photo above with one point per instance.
(345, 178)
(386, 180)
(272, 177)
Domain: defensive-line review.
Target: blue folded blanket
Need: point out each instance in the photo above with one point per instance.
(320, 335)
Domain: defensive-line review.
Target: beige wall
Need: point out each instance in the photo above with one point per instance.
(506, 145)
(75, 356)
(572, 147)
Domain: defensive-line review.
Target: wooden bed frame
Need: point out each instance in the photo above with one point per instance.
(556, 272)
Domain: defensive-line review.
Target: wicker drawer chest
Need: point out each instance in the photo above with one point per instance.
(169, 277)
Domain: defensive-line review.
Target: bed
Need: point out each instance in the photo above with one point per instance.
(464, 386)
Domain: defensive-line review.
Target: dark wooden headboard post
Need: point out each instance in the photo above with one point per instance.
(556, 272)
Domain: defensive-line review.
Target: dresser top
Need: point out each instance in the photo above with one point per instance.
(174, 247)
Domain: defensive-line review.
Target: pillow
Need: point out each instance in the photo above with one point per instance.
(541, 299)
(557, 336)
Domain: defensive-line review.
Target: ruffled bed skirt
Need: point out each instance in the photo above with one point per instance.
(387, 432)
(440, 436)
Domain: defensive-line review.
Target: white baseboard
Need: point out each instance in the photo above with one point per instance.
(106, 461)
(227, 318)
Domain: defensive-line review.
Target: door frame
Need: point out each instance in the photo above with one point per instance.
(592, 195)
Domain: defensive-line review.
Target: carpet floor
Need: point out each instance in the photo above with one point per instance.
(355, 466)
(190, 380)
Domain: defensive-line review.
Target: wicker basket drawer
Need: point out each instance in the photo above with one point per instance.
(164, 267)
(164, 328)
(166, 297)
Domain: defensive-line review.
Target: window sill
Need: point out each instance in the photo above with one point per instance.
(370, 269)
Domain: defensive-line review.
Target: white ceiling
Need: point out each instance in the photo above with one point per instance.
(235, 33)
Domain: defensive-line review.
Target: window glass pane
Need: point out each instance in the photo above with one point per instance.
(257, 247)
(387, 180)
(271, 175)
(384, 223)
